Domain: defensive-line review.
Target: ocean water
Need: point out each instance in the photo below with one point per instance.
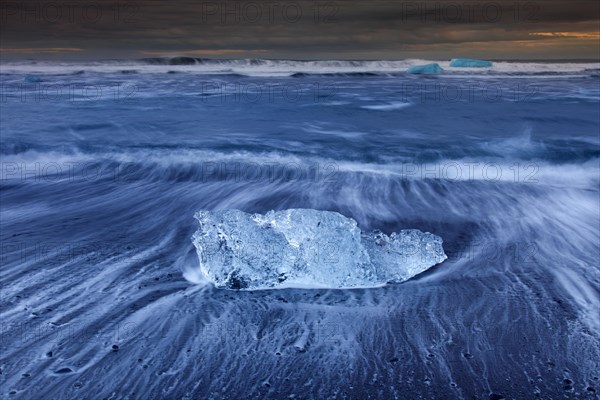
(104, 165)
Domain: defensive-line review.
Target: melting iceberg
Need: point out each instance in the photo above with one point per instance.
(306, 248)
(426, 69)
(469, 63)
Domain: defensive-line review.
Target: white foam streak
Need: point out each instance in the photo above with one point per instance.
(288, 67)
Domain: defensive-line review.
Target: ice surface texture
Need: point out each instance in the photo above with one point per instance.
(306, 248)
(426, 69)
(469, 63)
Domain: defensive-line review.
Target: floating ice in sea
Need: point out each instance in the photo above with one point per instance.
(426, 69)
(469, 63)
(306, 248)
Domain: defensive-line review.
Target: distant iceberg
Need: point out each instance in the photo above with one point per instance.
(469, 63)
(306, 248)
(426, 69)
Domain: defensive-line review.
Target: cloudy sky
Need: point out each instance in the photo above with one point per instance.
(301, 29)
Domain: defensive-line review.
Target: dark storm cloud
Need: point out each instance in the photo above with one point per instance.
(305, 29)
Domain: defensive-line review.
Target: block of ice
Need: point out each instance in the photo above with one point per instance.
(425, 69)
(306, 248)
(469, 63)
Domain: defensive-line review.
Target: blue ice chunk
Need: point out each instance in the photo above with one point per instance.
(306, 248)
(469, 63)
(426, 69)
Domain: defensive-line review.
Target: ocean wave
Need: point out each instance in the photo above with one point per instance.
(99, 275)
(387, 107)
(294, 68)
(187, 165)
